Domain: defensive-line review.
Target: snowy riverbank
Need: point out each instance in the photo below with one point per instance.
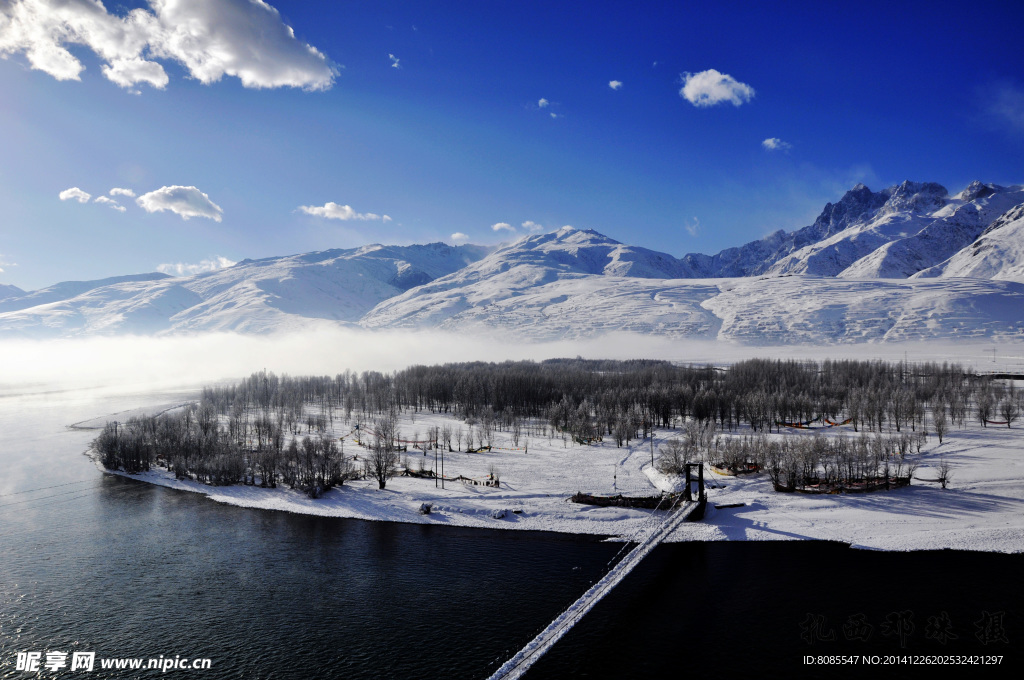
(983, 509)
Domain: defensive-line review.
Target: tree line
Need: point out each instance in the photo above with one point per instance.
(271, 429)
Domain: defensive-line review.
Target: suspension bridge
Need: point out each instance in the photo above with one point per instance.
(680, 509)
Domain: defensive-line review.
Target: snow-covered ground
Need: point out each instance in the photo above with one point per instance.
(983, 508)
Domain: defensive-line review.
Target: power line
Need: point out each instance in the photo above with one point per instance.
(43, 488)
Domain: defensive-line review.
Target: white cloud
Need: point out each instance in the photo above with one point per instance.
(5, 263)
(211, 38)
(776, 144)
(543, 103)
(184, 269)
(1008, 107)
(394, 61)
(615, 84)
(74, 193)
(333, 211)
(459, 236)
(110, 202)
(118, 191)
(692, 226)
(184, 201)
(503, 226)
(710, 87)
(556, 115)
(129, 72)
(530, 225)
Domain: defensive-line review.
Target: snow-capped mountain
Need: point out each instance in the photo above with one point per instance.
(907, 262)
(68, 289)
(997, 254)
(757, 257)
(9, 291)
(520, 268)
(252, 296)
(892, 233)
(776, 310)
(517, 270)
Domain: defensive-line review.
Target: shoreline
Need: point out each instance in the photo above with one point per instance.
(776, 517)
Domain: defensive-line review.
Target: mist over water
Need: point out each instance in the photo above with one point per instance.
(138, 363)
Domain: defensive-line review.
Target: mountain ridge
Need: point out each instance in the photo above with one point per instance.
(874, 266)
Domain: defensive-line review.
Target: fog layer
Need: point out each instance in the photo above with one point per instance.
(134, 362)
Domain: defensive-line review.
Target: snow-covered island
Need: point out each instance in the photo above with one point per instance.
(504, 468)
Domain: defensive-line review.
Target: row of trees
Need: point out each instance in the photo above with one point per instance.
(194, 448)
(625, 399)
(824, 464)
(270, 429)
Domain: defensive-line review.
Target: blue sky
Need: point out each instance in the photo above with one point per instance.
(456, 138)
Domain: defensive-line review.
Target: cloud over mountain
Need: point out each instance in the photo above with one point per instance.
(334, 211)
(191, 269)
(184, 201)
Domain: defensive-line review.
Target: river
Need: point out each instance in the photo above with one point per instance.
(105, 564)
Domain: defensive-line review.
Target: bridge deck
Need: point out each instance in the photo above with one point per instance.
(528, 655)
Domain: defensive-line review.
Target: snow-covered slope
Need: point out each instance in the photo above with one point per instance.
(831, 310)
(997, 254)
(9, 291)
(253, 296)
(565, 284)
(892, 233)
(757, 257)
(842, 279)
(571, 307)
(775, 310)
(572, 251)
(951, 228)
(68, 289)
(523, 268)
(908, 208)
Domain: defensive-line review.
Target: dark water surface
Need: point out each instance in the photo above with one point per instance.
(124, 569)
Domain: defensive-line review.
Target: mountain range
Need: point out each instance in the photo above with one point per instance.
(908, 262)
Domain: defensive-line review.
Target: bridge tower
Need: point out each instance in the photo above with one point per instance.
(702, 498)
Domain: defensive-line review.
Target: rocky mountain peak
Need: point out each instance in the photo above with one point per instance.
(854, 204)
(976, 190)
(915, 197)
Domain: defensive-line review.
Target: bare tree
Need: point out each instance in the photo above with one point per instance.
(1009, 410)
(673, 456)
(939, 422)
(383, 457)
(700, 435)
(487, 429)
(945, 471)
(984, 408)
